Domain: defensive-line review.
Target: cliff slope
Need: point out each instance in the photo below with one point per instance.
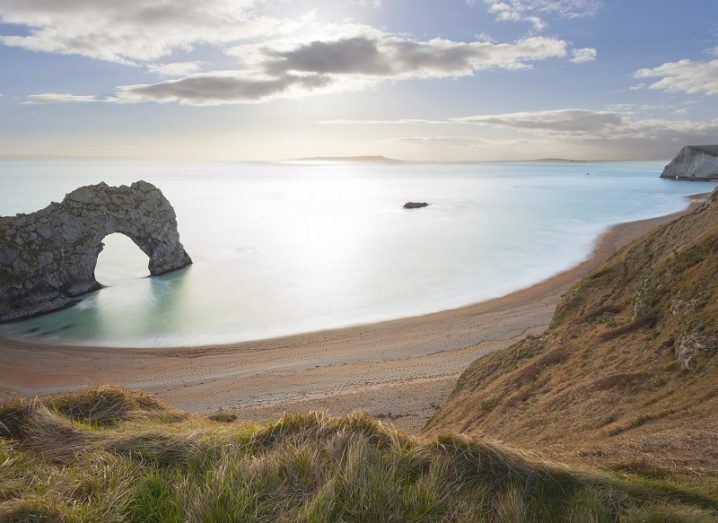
(693, 162)
(627, 372)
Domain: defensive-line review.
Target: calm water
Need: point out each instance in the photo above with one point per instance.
(286, 248)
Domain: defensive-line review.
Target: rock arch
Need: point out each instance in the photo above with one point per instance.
(48, 258)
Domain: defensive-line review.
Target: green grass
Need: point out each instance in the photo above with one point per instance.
(111, 455)
(222, 416)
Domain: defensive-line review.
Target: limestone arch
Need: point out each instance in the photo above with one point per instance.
(48, 258)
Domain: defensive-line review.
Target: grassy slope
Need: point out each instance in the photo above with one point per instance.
(112, 455)
(626, 376)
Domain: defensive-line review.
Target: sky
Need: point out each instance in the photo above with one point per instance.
(427, 80)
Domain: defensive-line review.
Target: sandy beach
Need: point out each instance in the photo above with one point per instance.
(399, 370)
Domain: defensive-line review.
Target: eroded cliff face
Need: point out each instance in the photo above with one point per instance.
(693, 162)
(48, 258)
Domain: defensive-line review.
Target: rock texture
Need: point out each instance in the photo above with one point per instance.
(48, 258)
(693, 162)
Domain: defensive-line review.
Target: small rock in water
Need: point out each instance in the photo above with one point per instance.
(415, 205)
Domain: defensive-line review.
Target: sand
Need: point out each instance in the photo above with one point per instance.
(399, 370)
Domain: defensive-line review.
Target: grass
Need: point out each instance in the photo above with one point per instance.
(222, 416)
(627, 370)
(112, 455)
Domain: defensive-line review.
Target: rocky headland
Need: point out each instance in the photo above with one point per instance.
(693, 162)
(48, 258)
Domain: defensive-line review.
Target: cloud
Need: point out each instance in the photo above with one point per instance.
(221, 87)
(581, 125)
(458, 142)
(512, 12)
(585, 124)
(392, 56)
(292, 69)
(563, 133)
(561, 121)
(322, 58)
(582, 56)
(684, 76)
(532, 11)
(634, 109)
(175, 68)
(54, 98)
(130, 30)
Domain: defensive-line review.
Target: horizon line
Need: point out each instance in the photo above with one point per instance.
(343, 159)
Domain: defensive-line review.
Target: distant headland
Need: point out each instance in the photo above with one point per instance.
(693, 162)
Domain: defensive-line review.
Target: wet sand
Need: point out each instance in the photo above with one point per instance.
(399, 370)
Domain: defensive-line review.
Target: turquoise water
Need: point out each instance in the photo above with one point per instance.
(287, 248)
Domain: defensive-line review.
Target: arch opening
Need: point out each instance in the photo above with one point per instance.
(120, 261)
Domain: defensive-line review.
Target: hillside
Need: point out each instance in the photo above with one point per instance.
(626, 376)
(111, 455)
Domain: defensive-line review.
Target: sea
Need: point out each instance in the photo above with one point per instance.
(293, 247)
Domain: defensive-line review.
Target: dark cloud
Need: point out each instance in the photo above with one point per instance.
(220, 88)
(386, 55)
(358, 55)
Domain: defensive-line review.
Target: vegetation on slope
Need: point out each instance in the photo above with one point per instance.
(112, 455)
(626, 376)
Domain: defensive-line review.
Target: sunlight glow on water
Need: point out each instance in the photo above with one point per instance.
(281, 248)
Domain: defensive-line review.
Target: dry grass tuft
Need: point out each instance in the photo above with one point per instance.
(66, 466)
(105, 406)
(223, 416)
(12, 418)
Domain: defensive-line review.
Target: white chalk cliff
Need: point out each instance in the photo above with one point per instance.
(693, 162)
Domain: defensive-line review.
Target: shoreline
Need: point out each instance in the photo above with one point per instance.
(476, 306)
(397, 370)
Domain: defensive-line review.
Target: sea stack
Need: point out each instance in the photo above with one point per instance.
(693, 162)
